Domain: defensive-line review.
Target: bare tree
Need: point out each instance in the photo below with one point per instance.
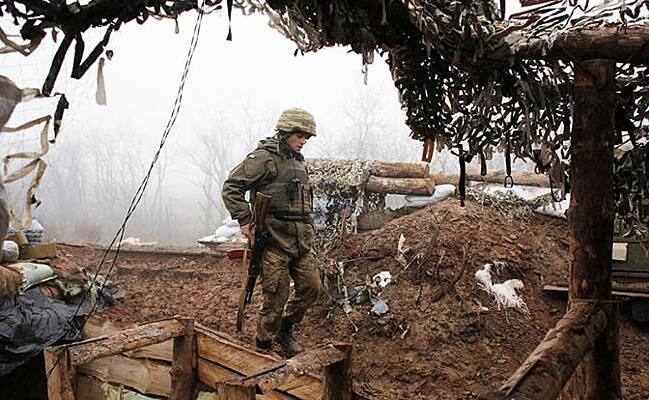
(213, 158)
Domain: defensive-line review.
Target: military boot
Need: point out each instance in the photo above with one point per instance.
(285, 339)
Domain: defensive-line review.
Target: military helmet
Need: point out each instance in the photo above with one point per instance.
(296, 120)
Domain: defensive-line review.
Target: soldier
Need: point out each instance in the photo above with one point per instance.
(276, 168)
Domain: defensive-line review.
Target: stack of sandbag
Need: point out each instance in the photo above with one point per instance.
(441, 192)
(400, 178)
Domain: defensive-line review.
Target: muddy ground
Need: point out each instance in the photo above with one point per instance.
(438, 341)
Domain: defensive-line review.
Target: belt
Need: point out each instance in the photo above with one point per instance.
(302, 218)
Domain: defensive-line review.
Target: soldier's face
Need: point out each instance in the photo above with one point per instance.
(296, 140)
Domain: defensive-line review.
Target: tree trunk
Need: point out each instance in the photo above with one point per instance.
(591, 216)
(409, 186)
(399, 170)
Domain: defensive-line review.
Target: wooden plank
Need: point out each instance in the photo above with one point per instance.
(303, 387)
(231, 355)
(60, 374)
(621, 293)
(161, 351)
(145, 376)
(120, 342)
(337, 377)
(208, 373)
(182, 376)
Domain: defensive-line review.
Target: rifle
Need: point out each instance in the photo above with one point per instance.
(254, 255)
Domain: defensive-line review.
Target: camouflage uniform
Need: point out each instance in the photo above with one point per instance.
(276, 170)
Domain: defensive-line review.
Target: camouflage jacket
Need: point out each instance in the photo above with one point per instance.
(275, 170)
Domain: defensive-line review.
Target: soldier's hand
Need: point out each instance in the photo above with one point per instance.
(245, 229)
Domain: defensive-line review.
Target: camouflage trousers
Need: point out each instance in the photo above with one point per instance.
(276, 272)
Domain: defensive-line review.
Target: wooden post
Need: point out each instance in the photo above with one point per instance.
(182, 372)
(60, 374)
(591, 221)
(337, 377)
(235, 391)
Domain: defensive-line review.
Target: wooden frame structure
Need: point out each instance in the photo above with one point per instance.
(579, 358)
(61, 362)
(139, 358)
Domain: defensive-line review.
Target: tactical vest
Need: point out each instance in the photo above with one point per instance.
(292, 194)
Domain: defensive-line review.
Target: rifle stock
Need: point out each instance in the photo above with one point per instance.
(250, 274)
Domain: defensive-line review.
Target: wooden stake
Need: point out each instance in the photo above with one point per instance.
(337, 377)
(60, 374)
(591, 221)
(182, 373)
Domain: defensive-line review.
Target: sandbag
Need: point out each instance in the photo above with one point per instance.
(10, 251)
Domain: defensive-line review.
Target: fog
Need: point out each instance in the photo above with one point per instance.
(234, 93)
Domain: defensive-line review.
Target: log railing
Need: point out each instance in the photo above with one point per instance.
(546, 371)
(61, 361)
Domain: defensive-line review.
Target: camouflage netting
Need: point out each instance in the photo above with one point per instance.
(468, 80)
(339, 187)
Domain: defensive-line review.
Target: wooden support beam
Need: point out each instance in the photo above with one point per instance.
(604, 42)
(591, 221)
(337, 377)
(182, 371)
(60, 373)
(545, 372)
(129, 339)
(145, 376)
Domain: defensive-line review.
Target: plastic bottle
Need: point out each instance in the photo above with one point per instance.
(35, 233)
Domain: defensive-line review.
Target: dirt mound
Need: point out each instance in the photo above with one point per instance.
(443, 336)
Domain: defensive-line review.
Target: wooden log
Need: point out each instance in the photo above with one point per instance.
(399, 169)
(337, 377)
(60, 373)
(161, 351)
(129, 339)
(603, 42)
(520, 178)
(409, 186)
(591, 221)
(545, 372)
(182, 372)
(145, 376)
